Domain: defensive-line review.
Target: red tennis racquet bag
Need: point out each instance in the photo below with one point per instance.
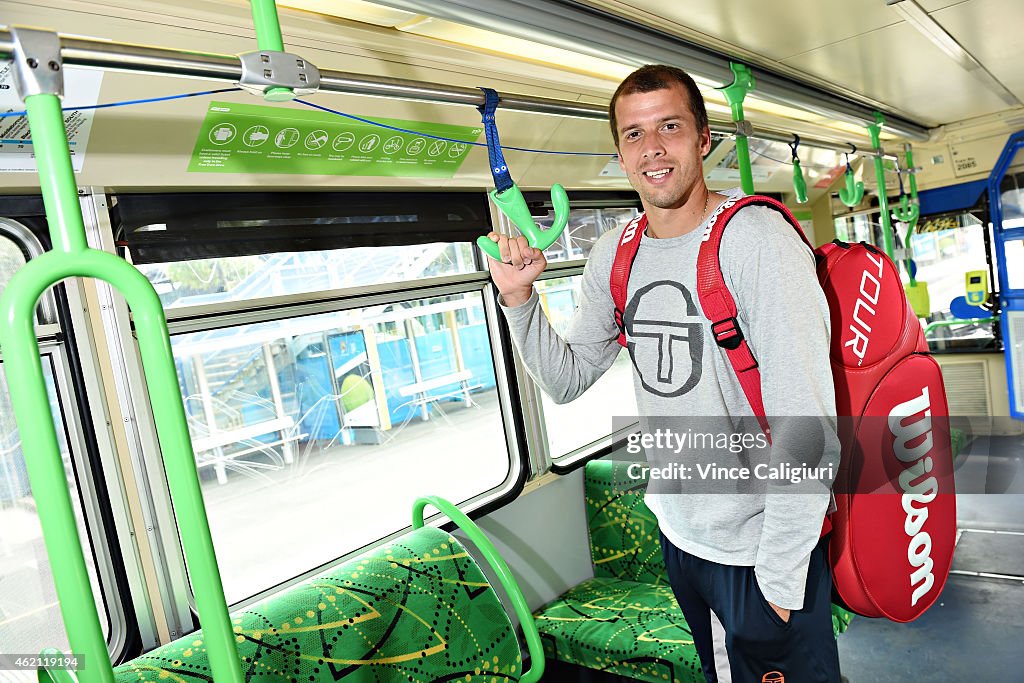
(894, 528)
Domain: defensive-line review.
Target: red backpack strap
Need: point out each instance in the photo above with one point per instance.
(719, 306)
(625, 254)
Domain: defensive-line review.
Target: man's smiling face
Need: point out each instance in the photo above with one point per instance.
(660, 148)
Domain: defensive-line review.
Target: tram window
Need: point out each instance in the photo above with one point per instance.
(11, 259)
(1015, 263)
(1013, 217)
(574, 425)
(314, 435)
(30, 617)
(582, 231)
(944, 250)
(241, 278)
(859, 228)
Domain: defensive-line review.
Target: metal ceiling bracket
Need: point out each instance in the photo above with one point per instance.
(266, 69)
(38, 67)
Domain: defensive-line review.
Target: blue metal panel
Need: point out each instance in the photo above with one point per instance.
(951, 198)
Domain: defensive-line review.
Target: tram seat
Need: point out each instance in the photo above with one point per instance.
(417, 609)
(625, 621)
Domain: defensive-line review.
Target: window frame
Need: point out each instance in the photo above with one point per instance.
(54, 353)
(205, 317)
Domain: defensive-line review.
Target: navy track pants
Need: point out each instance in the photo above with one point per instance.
(762, 648)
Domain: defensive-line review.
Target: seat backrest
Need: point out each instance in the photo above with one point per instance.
(417, 609)
(623, 530)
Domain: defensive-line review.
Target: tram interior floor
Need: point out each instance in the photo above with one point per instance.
(966, 636)
(969, 633)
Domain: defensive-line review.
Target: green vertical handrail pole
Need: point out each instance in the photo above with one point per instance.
(268, 28)
(909, 159)
(53, 157)
(743, 82)
(268, 37)
(71, 257)
(31, 401)
(28, 394)
(48, 479)
(883, 198)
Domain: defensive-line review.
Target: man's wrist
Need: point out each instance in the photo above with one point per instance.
(516, 298)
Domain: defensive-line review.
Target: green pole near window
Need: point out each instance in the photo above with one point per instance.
(268, 37)
(735, 93)
(38, 67)
(875, 130)
(915, 216)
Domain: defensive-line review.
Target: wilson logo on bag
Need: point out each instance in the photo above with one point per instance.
(894, 528)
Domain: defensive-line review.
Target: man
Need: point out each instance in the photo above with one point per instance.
(753, 557)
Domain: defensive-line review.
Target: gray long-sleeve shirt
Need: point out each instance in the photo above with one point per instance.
(680, 371)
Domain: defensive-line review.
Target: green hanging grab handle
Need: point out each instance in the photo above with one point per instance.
(506, 194)
(905, 212)
(799, 183)
(853, 193)
(734, 93)
(513, 204)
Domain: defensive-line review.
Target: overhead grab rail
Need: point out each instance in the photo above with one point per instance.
(507, 196)
(115, 56)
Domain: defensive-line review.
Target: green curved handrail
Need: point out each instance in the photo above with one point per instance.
(72, 257)
(513, 204)
(504, 574)
(53, 675)
(959, 321)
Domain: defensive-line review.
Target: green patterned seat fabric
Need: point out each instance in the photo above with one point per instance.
(625, 620)
(623, 531)
(622, 627)
(418, 609)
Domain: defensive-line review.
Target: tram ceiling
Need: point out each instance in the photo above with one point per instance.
(610, 31)
(103, 54)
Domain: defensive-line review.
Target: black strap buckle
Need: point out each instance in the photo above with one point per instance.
(729, 337)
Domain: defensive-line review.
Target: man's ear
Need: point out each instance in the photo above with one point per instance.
(622, 166)
(705, 142)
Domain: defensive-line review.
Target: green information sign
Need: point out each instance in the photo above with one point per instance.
(251, 138)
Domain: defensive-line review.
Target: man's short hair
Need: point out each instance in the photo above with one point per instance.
(658, 77)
